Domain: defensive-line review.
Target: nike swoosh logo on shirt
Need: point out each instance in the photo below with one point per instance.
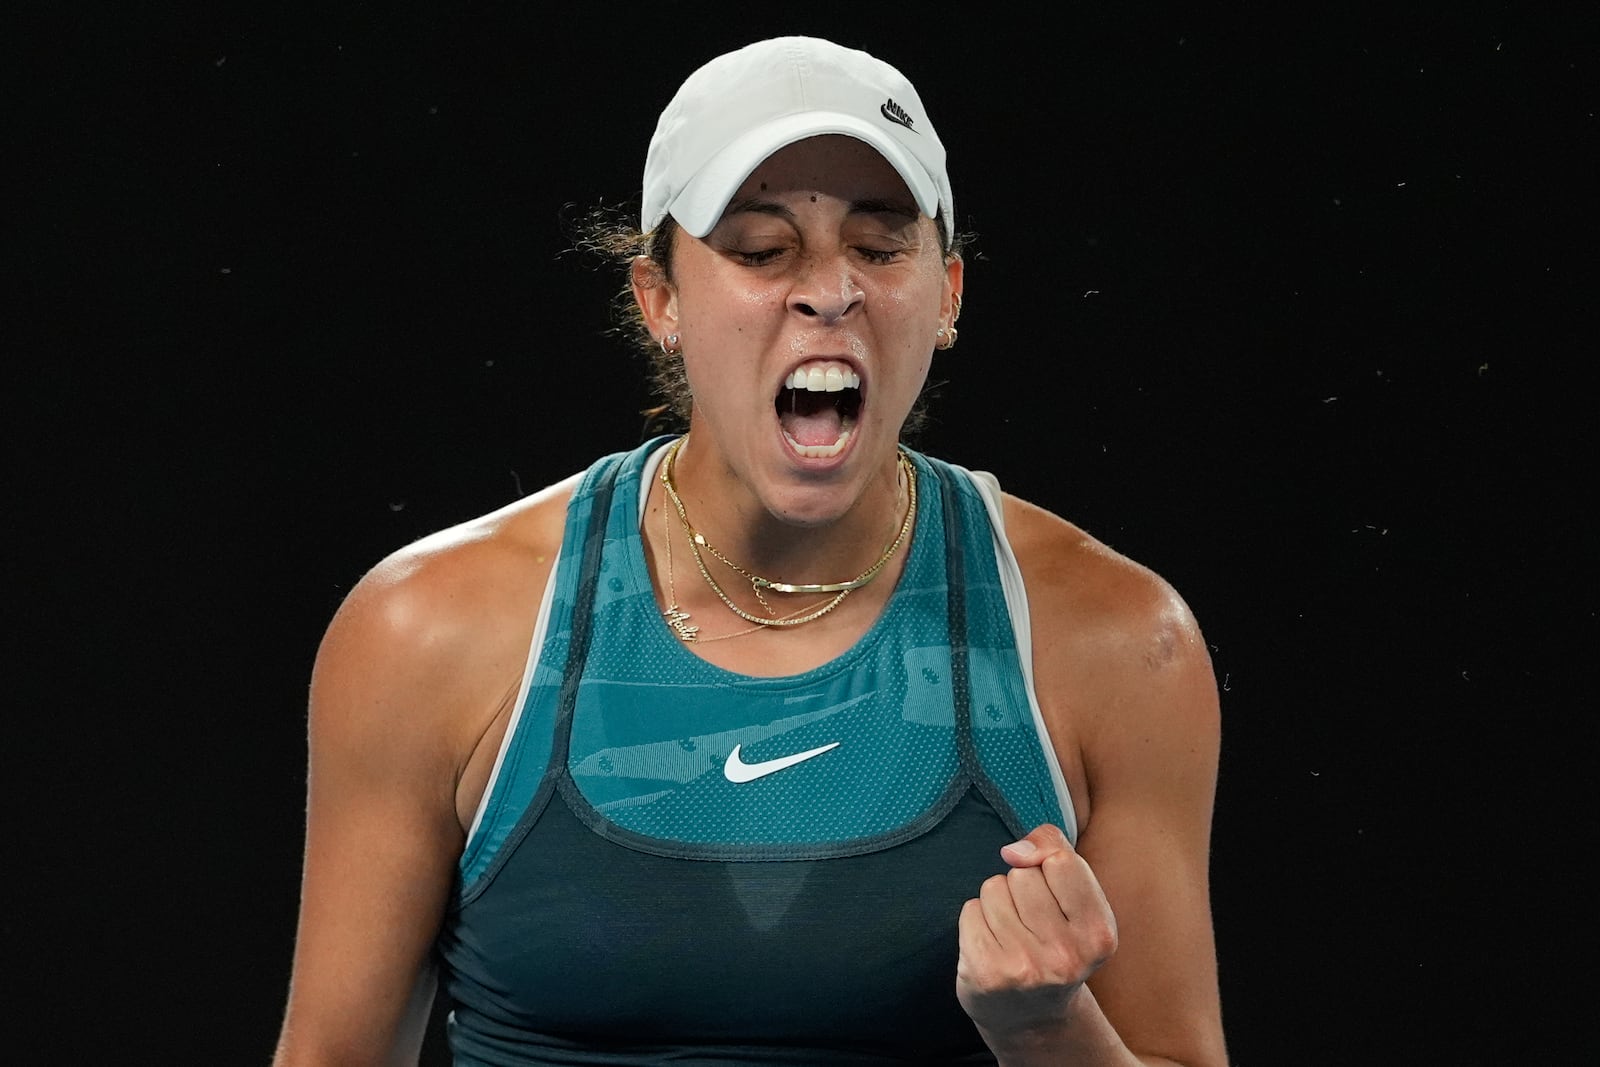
(737, 770)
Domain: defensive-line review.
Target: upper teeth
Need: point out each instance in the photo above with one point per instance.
(819, 379)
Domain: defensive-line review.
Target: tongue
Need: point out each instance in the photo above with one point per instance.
(821, 427)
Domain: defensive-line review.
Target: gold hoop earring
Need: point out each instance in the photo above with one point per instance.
(956, 299)
(945, 338)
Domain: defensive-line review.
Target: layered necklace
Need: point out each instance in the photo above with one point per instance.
(678, 619)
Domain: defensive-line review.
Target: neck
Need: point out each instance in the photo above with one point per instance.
(738, 521)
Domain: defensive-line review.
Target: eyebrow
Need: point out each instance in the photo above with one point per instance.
(873, 206)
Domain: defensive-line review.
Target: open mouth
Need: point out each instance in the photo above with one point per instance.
(817, 407)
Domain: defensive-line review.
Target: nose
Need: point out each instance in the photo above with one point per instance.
(826, 289)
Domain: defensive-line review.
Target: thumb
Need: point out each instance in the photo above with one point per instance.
(1043, 841)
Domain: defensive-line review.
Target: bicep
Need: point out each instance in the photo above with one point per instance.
(1152, 768)
(380, 851)
(376, 881)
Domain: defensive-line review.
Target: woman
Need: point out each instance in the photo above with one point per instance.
(825, 751)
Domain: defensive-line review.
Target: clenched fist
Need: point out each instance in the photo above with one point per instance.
(1031, 939)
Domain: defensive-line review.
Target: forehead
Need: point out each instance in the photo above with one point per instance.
(833, 164)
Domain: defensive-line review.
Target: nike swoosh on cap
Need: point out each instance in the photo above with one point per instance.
(737, 770)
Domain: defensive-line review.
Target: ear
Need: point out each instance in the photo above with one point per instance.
(657, 298)
(954, 281)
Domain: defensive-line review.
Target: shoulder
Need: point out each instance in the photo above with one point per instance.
(1093, 592)
(1122, 666)
(429, 637)
(441, 590)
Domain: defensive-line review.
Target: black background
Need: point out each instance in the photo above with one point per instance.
(1293, 308)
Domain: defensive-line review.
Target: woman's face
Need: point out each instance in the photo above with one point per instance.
(807, 320)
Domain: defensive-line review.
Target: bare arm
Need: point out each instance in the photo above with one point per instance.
(381, 834)
(408, 701)
(1151, 761)
(1104, 954)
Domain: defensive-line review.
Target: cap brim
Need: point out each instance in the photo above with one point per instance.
(701, 203)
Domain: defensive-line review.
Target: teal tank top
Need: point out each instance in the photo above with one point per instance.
(631, 895)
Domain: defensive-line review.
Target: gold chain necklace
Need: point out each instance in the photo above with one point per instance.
(676, 617)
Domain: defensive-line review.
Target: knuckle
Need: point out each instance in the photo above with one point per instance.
(1005, 972)
(1059, 862)
(1100, 943)
(1015, 973)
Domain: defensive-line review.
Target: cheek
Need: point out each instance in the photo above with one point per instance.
(717, 309)
(722, 364)
(914, 318)
(910, 359)
(698, 368)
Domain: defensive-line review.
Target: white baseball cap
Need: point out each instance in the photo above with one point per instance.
(741, 107)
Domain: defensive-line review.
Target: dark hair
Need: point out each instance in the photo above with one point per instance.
(610, 233)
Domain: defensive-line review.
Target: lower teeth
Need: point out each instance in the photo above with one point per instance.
(819, 451)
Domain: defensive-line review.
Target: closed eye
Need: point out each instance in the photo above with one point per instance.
(763, 256)
(757, 258)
